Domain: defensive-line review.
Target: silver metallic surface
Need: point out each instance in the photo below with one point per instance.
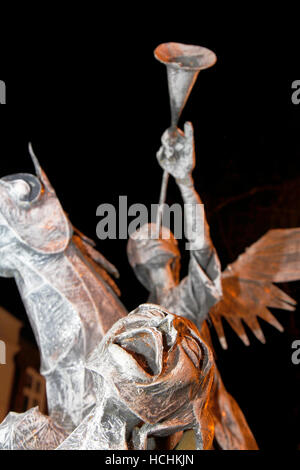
(156, 373)
(183, 63)
(65, 287)
(30, 431)
(152, 375)
(156, 263)
(248, 284)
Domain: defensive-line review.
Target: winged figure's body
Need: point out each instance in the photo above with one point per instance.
(242, 291)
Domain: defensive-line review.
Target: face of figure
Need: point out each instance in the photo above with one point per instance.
(162, 277)
(156, 363)
(30, 218)
(156, 261)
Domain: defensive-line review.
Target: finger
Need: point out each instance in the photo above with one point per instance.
(165, 137)
(159, 154)
(189, 131)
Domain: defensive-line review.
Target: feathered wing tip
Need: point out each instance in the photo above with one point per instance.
(248, 288)
(102, 261)
(89, 247)
(83, 237)
(275, 257)
(101, 265)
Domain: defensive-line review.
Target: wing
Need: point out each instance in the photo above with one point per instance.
(248, 288)
(101, 265)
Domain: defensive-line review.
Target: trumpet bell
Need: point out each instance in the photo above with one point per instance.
(185, 56)
(183, 62)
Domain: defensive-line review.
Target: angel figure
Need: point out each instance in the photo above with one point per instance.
(242, 292)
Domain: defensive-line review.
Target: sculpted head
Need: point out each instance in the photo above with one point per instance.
(157, 366)
(155, 261)
(31, 218)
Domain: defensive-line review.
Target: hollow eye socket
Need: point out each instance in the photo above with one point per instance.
(25, 187)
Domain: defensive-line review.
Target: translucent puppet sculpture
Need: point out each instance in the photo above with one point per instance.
(247, 283)
(65, 286)
(245, 289)
(153, 375)
(156, 263)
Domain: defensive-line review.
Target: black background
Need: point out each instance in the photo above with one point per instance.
(95, 113)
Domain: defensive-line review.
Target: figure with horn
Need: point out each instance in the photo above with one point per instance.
(245, 289)
(156, 264)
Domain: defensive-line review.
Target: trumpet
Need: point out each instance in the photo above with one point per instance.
(183, 62)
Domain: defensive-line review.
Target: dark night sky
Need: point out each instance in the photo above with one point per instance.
(95, 120)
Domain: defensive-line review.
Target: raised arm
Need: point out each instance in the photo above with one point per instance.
(177, 157)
